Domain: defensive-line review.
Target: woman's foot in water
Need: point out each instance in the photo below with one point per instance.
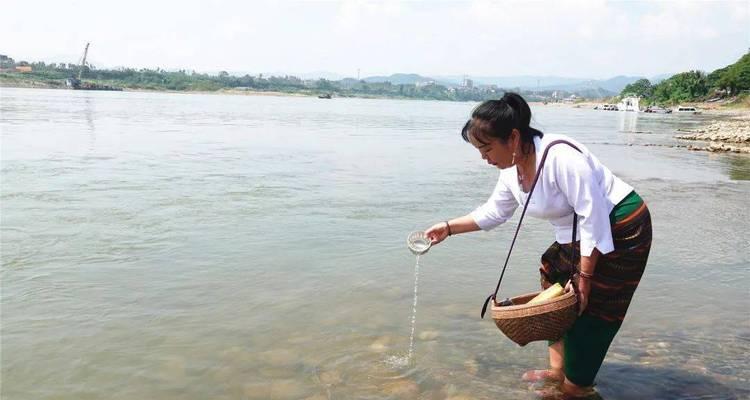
(537, 375)
(574, 391)
(556, 394)
(568, 391)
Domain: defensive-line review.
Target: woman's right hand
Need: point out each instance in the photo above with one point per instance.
(437, 233)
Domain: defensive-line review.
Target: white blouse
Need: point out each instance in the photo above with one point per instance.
(570, 180)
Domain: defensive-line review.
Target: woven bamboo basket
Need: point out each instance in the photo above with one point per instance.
(547, 320)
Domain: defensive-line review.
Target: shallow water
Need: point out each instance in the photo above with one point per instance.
(200, 246)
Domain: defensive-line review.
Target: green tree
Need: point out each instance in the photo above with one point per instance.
(685, 86)
(734, 77)
(324, 84)
(641, 87)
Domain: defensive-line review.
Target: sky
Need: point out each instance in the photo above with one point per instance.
(581, 39)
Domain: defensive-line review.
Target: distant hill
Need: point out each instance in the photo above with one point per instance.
(531, 82)
(509, 82)
(331, 76)
(658, 78)
(399, 79)
(611, 85)
(617, 83)
(591, 88)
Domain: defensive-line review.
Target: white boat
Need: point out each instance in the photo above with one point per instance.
(629, 104)
(686, 110)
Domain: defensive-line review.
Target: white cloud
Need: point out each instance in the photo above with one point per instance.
(574, 38)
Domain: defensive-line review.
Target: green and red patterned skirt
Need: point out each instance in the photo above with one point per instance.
(616, 277)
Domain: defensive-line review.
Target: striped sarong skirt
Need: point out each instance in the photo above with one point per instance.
(617, 273)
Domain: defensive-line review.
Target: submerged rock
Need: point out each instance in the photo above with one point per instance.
(256, 391)
(380, 344)
(278, 389)
(224, 374)
(318, 396)
(275, 372)
(471, 366)
(173, 369)
(428, 335)
(288, 389)
(330, 378)
(238, 354)
(402, 389)
(450, 390)
(278, 357)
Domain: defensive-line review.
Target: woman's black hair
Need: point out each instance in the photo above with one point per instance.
(466, 130)
(498, 118)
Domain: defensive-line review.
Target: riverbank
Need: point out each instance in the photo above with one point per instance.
(730, 105)
(20, 81)
(35, 84)
(730, 135)
(727, 130)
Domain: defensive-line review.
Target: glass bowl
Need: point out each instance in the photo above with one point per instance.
(418, 243)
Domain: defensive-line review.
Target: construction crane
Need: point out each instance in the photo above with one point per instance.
(73, 82)
(82, 61)
(76, 83)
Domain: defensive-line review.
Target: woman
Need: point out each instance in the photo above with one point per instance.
(614, 228)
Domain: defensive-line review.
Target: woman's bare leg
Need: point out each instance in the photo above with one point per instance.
(557, 356)
(555, 371)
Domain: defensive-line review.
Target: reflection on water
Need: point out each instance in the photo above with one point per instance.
(738, 167)
(628, 122)
(634, 381)
(191, 247)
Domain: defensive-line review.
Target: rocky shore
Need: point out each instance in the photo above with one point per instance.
(732, 135)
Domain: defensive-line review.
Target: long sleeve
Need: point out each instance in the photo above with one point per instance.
(578, 181)
(499, 208)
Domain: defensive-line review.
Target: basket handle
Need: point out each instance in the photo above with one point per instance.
(520, 220)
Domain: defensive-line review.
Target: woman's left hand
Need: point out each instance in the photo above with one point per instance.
(584, 288)
(588, 263)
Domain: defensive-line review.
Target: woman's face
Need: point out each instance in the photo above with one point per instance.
(494, 151)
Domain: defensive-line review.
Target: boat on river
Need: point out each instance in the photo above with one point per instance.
(686, 110)
(657, 110)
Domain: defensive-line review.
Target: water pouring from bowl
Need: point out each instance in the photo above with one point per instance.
(418, 243)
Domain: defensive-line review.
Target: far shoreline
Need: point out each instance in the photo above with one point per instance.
(708, 108)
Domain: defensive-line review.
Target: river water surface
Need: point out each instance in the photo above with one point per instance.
(185, 246)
